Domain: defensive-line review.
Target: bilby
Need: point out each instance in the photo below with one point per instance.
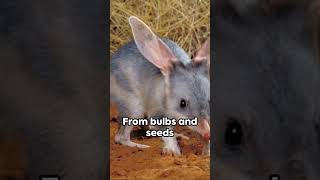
(154, 77)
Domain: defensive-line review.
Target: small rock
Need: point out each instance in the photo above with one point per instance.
(178, 162)
(165, 174)
(120, 172)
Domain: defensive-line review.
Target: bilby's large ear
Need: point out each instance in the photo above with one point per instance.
(203, 54)
(151, 47)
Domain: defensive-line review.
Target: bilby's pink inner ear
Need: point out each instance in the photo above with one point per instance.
(203, 54)
(150, 46)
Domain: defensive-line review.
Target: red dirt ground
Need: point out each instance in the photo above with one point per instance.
(141, 164)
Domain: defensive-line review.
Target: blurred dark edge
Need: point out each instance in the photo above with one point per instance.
(31, 106)
(108, 85)
(212, 58)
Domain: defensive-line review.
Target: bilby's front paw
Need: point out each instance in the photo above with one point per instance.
(182, 136)
(171, 146)
(172, 151)
(127, 142)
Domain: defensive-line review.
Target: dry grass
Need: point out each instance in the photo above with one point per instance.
(183, 21)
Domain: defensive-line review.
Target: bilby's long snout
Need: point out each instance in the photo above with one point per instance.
(203, 128)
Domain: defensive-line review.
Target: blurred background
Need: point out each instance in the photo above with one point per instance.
(183, 21)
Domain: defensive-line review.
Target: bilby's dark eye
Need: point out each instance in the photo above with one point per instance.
(183, 103)
(233, 134)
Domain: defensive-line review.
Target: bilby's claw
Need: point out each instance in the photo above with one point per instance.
(133, 144)
(120, 139)
(171, 146)
(171, 151)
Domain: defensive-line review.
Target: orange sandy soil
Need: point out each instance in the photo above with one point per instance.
(140, 164)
